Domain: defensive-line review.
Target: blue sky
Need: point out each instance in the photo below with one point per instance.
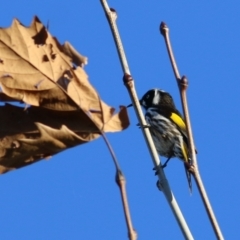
(73, 195)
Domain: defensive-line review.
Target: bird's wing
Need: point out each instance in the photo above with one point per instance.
(178, 120)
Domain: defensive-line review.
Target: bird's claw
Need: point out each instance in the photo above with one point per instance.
(156, 169)
(143, 126)
(159, 185)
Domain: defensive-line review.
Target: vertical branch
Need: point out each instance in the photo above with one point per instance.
(112, 17)
(129, 83)
(182, 85)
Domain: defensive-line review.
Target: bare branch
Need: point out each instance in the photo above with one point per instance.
(182, 85)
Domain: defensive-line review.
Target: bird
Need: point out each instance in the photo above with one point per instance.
(167, 127)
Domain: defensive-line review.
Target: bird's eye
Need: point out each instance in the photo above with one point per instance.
(147, 96)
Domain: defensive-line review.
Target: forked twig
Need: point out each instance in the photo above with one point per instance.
(129, 83)
(182, 85)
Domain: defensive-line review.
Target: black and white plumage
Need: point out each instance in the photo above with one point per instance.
(167, 126)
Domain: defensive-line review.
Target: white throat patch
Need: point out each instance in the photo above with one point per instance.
(157, 97)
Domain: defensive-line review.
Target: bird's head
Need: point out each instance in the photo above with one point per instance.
(156, 98)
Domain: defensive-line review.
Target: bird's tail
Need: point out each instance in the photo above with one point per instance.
(187, 162)
(188, 174)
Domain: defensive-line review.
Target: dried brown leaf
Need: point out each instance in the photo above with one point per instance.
(66, 110)
(36, 70)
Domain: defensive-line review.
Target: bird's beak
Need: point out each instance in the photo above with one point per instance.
(130, 105)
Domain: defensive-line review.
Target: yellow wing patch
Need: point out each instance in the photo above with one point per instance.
(184, 152)
(179, 121)
(181, 124)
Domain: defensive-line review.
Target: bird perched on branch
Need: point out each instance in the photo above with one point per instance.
(167, 127)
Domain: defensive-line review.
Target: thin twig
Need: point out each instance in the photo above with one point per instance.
(183, 84)
(129, 83)
(121, 182)
(182, 88)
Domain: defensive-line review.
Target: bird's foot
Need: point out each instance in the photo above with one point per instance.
(156, 169)
(165, 164)
(143, 126)
(159, 185)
